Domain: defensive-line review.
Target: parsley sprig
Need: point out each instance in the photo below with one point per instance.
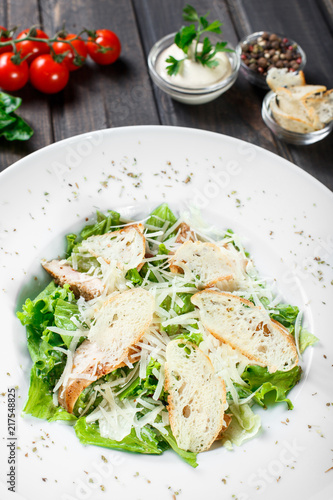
(193, 33)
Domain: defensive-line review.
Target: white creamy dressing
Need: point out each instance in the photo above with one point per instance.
(193, 74)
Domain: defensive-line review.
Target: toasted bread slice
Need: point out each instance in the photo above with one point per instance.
(196, 398)
(281, 77)
(126, 247)
(291, 123)
(293, 106)
(247, 328)
(119, 324)
(123, 319)
(81, 284)
(210, 264)
(227, 421)
(305, 91)
(322, 105)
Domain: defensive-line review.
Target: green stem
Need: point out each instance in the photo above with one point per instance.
(43, 40)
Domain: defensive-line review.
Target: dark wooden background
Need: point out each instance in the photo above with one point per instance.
(123, 94)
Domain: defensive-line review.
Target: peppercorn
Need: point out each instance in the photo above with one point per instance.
(262, 62)
(256, 48)
(268, 51)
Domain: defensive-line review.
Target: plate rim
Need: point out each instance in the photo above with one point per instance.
(11, 169)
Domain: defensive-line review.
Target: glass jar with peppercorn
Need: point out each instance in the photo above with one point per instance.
(263, 50)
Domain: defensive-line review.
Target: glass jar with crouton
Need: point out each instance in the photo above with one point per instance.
(290, 136)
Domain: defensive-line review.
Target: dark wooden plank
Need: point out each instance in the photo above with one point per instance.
(98, 97)
(238, 111)
(35, 107)
(308, 23)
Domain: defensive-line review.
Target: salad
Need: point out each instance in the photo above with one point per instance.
(104, 332)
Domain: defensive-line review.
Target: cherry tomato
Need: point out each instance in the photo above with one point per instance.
(47, 75)
(12, 76)
(34, 48)
(78, 44)
(5, 38)
(105, 48)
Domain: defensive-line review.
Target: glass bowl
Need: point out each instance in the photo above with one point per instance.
(253, 76)
(190, 95)
(287, 135)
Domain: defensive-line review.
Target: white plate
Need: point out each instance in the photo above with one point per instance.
(283, 212)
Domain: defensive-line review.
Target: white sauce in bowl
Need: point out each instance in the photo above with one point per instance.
(193, 75)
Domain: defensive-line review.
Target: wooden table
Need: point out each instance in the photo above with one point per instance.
(123, 94)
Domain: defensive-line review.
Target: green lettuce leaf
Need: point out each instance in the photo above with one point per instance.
(40, 401)
(286, 315)
(271, 387)
(306, 339)
(194, 337)
(89, 434)
(63, 313)
(104, 224)
(185, 308)
(134, 276)
(147, 385)
(244, 425)
(39, 312)
(188, 456)
(160, 215)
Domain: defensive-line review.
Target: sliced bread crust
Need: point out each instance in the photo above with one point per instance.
(290, 122)
(123, 319)
(119, 324)
(247, 328)
(281, 77)
(197, 397)
(126, 246)
(207, 262)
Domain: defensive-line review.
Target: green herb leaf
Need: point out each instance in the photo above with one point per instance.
(5, 119)
(220, 47)
(173, 66)
(188, 34)
(203, 21)
(185, 37)
(190, 14)
(12, 127)
(9, 103)
(214, 27)
(19, 130)
(206, 48)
